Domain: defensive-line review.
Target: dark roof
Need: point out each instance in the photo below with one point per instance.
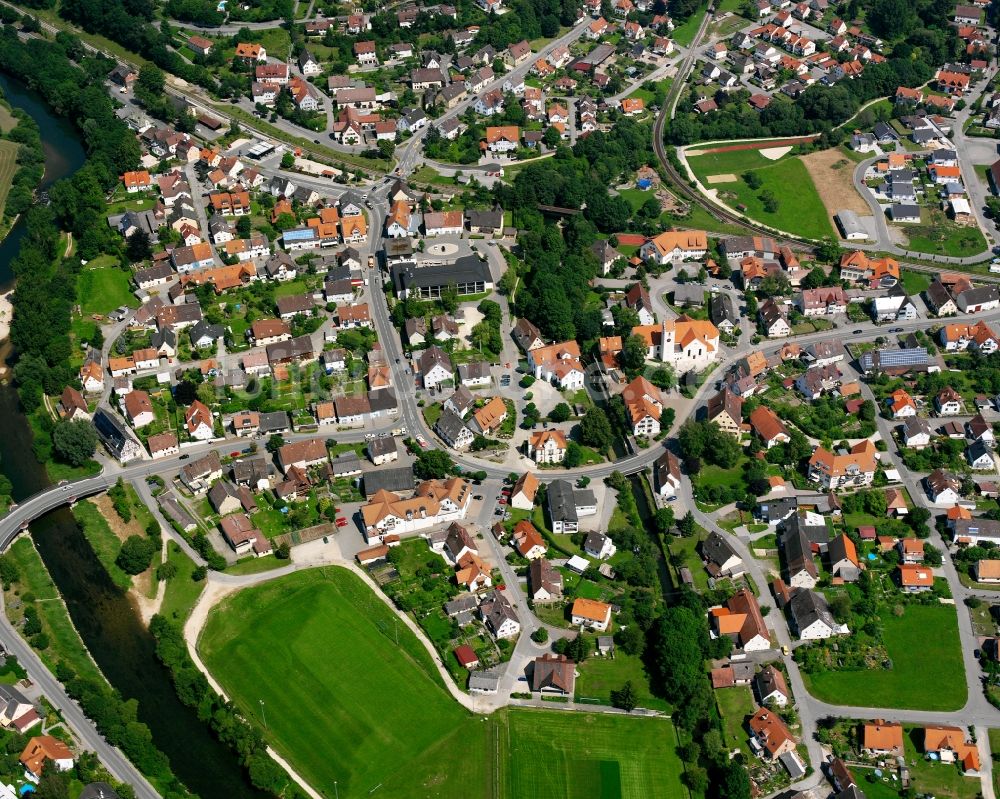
(721, 309)
(776, 509)
(562, 502)
(798, 553)
(398, 478)
(807, 607)
(726, 401)
(717, 550)
(273, 421)
(467, 269)
(449, 425)
(112, 431)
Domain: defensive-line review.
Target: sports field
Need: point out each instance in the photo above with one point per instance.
(800, 211)
(559, 755)
(346, 703)
(927, 667)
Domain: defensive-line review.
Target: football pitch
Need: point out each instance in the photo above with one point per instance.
(351, 698)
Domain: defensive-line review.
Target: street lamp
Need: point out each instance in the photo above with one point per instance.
(262, 713)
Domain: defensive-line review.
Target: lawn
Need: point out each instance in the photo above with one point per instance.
(937, 234)
(64, 641)
(322, 654)
(8, 166)
(933, 778)
(599, 676)
(103, 541)
(684, 34)
(102, 287)
(924, 647)
(915, 283)
(806, 216)
(379, 706)
(735, 706)
(182, 591)
(256, 565)
(995, 748)
(572, 756)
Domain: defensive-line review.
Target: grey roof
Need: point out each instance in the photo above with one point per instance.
(798, 554)
(562, 502)
(398, 478)
(980, 294)
(112, 431)
(807, 607)
(916, 425)
(462, 399)
(273, 421)
(98, 790)
(792, 765)
(434, 356)
(491, 218)
(595, 541)
(487, 680)
(205, 330)
(461, 604)
(169, 505)
(496, 609)
(776, 509)
(721, 309)
(474, 370)
(849, 222)
(467, 269)
(250, 470)
(449, 426)
(822, 350)
(717, 550)
(384, 399)
(381, 446)
(689, 294)
(815, 533)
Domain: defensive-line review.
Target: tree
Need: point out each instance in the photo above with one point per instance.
(664, 520)
(752, 179)
(166, 571)
(433, 464)
(287, 160)
(892, 19)
(150, 79)
(449, 298)
(136, 554)
(631, 640)
(283, 552)
(275, 442)
(74, 441)
(540, 636)
(138, 246)
(595, 429)
(551, 138)
(634, 353)
(686, 524)
(560, 413)
(624, 697)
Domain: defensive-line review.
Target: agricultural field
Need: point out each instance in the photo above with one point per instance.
(806, 216)
(8, 166)
(922, 676)
(348, 673)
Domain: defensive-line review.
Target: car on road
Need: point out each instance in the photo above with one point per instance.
(896, 330)
(235, 454)
(185, 456)
(341, 522)
(423, 442)
(477, 496)
(857, 332)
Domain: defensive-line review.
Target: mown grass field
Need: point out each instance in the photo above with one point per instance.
(574, 756)
(926, 655)
(102, 287)
(8, 166)
(599, 676)
(321, 651)
(182, 591)
(104, 542)
(800, 210)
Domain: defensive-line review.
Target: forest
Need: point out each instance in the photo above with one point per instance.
(561, 262)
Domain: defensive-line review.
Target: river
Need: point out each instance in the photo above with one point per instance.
(105, 617)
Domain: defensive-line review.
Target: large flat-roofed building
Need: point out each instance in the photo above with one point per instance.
(468, 274)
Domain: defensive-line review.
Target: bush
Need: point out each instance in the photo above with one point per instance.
(540, 636)
(136, 554)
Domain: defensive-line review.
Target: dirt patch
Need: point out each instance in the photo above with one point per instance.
(728, 177)
(142, 584)
(775, 153)
(833, 175)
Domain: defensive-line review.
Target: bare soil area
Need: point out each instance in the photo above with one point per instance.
(833, 175)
